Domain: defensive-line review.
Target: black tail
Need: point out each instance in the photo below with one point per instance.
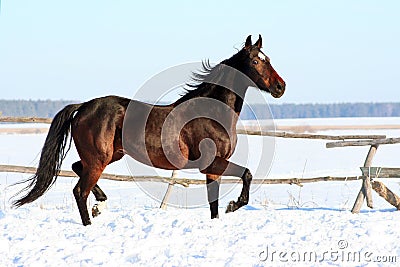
(53, 153)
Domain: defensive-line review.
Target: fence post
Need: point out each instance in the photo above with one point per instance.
(366, 188)
(386, 193)
(164, 202)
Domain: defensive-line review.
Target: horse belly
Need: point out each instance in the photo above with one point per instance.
(152, 150)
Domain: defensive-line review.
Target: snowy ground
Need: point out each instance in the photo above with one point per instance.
(283, 224)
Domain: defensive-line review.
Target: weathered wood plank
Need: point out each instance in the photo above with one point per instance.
(308, 136)
(363, 142)
(366, 188)
(359, 201)
(386, 193)
(164, 202)
(25, 119)
(183, 181)
(367, 179)
(317, 128)
(381, 172)
(370, 155)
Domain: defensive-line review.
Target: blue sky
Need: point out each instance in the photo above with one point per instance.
(327, 51)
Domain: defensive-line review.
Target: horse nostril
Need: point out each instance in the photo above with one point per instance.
(281, 86)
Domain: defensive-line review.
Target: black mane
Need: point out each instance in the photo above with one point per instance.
(200, 76)
(198, 82)
(201, 81)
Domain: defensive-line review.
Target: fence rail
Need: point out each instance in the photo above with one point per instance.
(248, 131)
(184, 181)
(25, 119)
(385, 141)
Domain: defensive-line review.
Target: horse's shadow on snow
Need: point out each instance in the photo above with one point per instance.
(337, 209)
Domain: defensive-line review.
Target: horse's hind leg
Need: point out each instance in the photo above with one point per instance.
(101, 201)
(81, 202)
(82, 190)
(97, 192)
(213, 194)
(100, 196)
(221, 166)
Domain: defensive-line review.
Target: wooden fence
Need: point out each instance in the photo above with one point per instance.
(186, 182)
(368, 172)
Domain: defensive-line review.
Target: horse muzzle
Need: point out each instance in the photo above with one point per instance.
(278, 90)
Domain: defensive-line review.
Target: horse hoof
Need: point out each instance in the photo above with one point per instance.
(95, 211)
(98, 208)
(87, 223)
(232, 206)
(215, 216)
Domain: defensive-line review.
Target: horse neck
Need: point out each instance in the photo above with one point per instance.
(230, 88)
(232, 97)
(227, 96)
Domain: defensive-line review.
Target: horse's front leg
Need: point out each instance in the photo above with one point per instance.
(213, 194)
(244, 195)
(221, 166)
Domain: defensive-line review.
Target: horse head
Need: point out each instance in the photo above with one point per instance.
(259, 69)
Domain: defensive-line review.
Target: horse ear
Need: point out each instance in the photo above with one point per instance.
(259, 42)
(248, 42)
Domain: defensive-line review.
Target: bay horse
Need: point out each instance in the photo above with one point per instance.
(172, 137)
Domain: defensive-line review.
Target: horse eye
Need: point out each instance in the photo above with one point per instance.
(255, 62)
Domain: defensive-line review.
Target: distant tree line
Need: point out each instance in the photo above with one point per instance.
(291, 111)
(48, 108)
(32, 108)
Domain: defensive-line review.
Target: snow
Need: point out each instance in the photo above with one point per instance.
(282, 225)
